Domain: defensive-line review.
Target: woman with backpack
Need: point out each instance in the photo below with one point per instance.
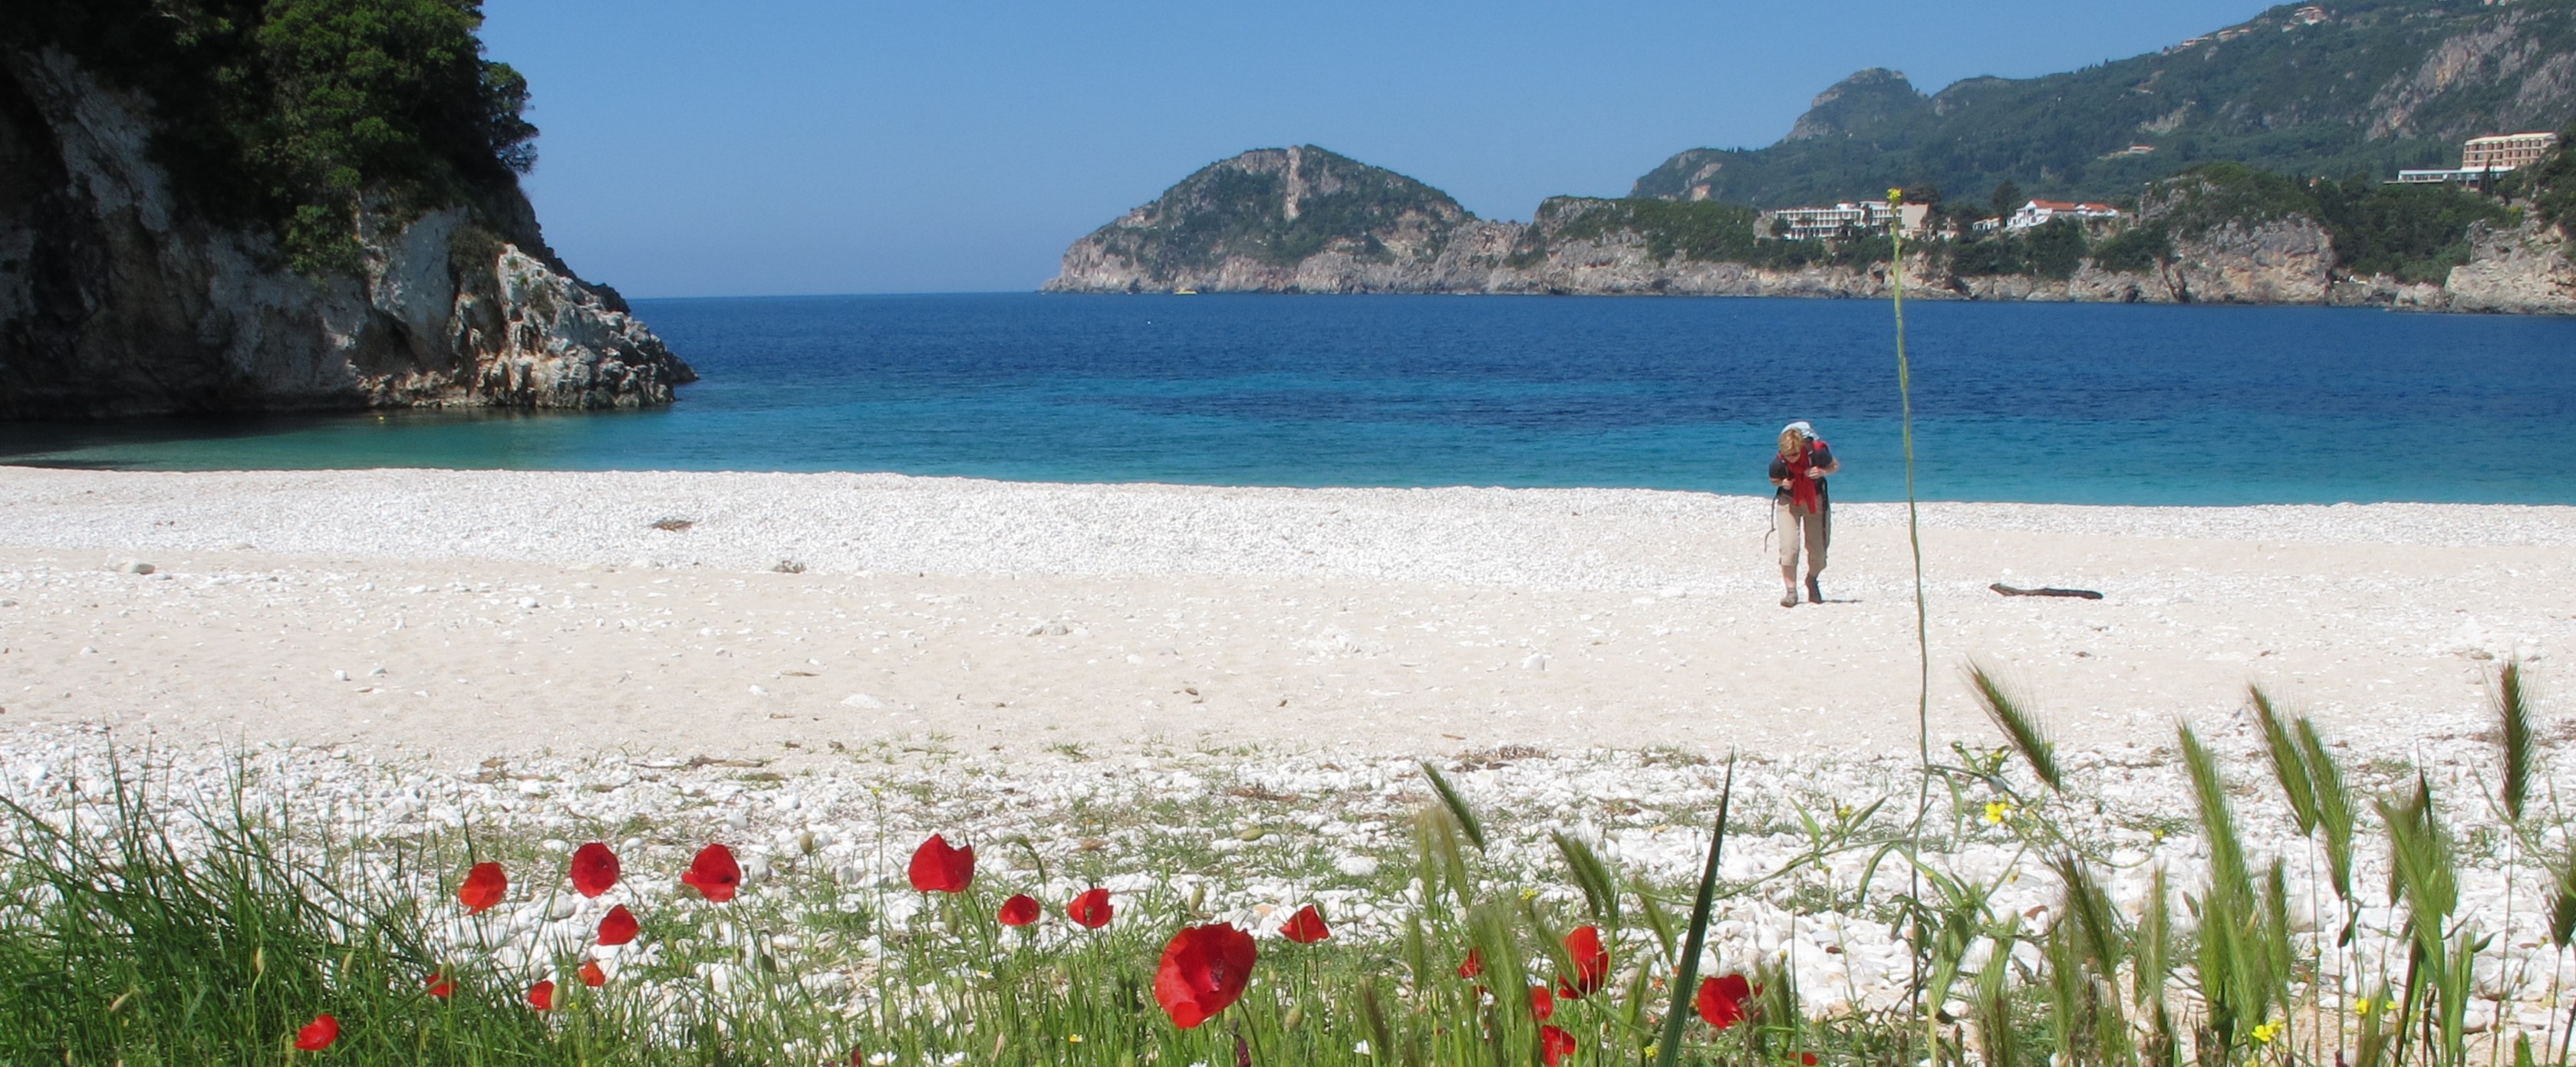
(1801, 512)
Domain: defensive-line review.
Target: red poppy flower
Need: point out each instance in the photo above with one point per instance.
(1474, 966)
(439, 986)
(1090, 908)
(1721, 1000)
(318, 1034)
(618, 926)
(483, 887)
(594, 869)
(1555, 1044)
(1306, 927)
(541, 996)
(1203, 971)
(714, 874)
(937, 868)
(1591, 963)
(591, 975)
(1542, 1004)
(1806, 1059)
(1020, 910)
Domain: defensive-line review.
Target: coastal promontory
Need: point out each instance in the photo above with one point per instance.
(2253, 164)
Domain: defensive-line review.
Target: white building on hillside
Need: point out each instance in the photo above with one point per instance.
(2040, 212)
(1866, 218)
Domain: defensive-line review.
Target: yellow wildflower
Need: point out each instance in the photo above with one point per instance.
(1996, 812)
(2362, 1007)
(2265, 1032)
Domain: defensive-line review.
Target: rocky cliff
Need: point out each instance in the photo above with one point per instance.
(116, 298)
(2211, 244)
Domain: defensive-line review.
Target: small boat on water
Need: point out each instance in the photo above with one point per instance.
(1185, 292)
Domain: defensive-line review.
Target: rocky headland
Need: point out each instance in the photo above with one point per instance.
(2249, 166)
(122, 294)
(1300, 220)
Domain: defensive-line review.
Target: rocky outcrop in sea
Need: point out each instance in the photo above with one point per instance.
(116, 299)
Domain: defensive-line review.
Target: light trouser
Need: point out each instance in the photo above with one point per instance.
(1814, 531)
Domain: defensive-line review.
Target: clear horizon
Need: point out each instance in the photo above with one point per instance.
(806, 148)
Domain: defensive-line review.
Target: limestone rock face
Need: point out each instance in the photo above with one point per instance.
(114, 300)
(2524, 269)
(2282, 261)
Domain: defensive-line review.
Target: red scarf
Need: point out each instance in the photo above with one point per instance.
(1805, 497)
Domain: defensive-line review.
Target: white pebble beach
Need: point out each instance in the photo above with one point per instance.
(497, 613)
(546, 653)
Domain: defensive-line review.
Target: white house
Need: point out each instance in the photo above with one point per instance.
(2038, 212)
(1869, 218)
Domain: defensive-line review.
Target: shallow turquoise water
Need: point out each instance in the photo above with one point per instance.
(2083, 403)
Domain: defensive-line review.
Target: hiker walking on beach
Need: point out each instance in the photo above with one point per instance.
(1801, 512)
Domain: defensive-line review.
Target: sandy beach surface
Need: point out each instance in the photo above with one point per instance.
(488, 613)
(1222, 692)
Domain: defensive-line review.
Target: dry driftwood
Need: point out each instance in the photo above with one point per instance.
(2007, 590)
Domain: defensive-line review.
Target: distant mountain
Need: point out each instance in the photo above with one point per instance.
(2334, 89)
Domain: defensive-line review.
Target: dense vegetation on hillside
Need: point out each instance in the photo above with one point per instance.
(283, 114)
(2415, 233)
(1241, 206)
(2378, 85)
(1705, 231)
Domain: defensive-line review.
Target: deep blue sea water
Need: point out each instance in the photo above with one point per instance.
(2080, 403)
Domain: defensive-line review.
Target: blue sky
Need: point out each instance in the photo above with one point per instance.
(805, 146)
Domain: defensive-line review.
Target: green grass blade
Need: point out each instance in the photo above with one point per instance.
(2562, 904)
(2334, 806)
(1466, 816)
(2289, 767)
(1600, 889)
(2513, 708)
(2155, 942)
(2227, 869)
(2101, 937)
(2004, 707)
(1668, 1050)
(1657, 919)
(1996, 1032)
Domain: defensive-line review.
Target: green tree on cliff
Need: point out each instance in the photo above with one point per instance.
(288, 112)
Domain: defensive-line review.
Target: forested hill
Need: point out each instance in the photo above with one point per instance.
(2338, 88)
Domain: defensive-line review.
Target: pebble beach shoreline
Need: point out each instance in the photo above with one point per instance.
(770, 658)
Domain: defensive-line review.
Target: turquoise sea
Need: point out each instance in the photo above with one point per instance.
(2081, 403)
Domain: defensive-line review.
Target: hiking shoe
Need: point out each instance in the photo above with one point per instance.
(1814, 595)
(1789, 599)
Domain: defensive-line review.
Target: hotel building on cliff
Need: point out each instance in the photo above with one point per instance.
(1866, 218)
(2484, 156)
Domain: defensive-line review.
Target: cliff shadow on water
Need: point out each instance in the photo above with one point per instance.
(455, 438)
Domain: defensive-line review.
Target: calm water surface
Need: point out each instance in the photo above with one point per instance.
(2081, 403)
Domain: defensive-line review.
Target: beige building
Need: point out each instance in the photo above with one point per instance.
(2505, 151)
(2482, 156)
